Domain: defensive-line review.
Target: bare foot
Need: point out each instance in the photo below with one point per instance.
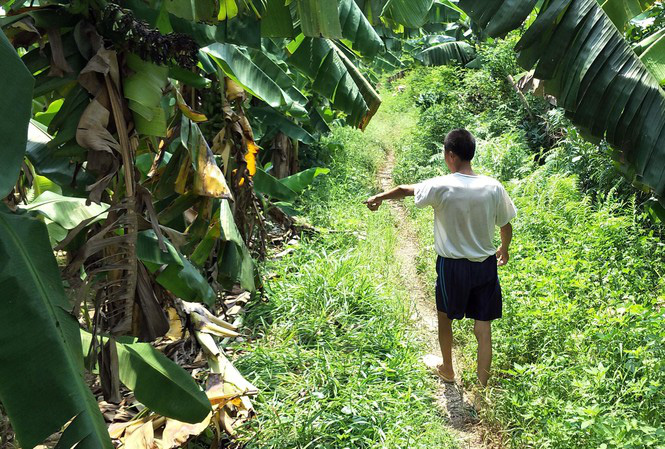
(446, 373)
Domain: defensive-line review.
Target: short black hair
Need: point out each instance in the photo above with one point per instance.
(462, 143)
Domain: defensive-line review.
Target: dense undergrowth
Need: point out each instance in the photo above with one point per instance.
(580, 352)
(332, 353)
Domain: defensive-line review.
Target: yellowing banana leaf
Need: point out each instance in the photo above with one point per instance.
(250, 157)
(187, 111)
(208, 177)
(17, 85)
(157, 381)
(34, 311)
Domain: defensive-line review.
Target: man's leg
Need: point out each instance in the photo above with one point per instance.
(483, 331)
(446, 343)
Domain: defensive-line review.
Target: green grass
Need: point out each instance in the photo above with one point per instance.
(333, 351)
(580, 351)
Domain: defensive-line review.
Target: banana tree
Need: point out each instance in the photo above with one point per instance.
(145, 212)
(605, 87)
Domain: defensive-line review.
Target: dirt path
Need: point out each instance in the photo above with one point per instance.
(451, 398)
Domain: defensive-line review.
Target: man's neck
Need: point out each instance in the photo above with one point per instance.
(464, 169)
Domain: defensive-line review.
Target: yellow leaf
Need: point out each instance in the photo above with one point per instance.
(175, 325)
(141, 438)
(234, 91)
(221, 146)
(210, 180)
(188, 111)
(177, 433)
(250, 157)
(183, 174)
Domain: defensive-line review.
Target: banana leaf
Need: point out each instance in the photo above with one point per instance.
(270, 186)
(196, 11)
(447, 53)
(357, 29)
(295, 99)
(270, 118)
(237, 65)
(51, 163)
(183, 280)
(143, 90)
(595, 75)
(191, 78)
(236, 265)
(16, 97)
(336, 78)
(410, 13)
(319, 18)
(622, 11)
(208, 177)
(148, 250)
(444, 12)
(66, 211)
(276, 20)
(34, 312)
(653, 58)
(156, 381)
(300, 181)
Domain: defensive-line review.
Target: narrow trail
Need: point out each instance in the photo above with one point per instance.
(462, 419)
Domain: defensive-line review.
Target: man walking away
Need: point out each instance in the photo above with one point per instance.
(467, 207)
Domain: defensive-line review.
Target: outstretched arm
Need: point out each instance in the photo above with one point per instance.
(397, 193)
(506, 237)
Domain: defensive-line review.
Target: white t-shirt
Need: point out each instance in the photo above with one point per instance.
(466, 210)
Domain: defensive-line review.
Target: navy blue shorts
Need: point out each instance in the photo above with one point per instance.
(471, 289)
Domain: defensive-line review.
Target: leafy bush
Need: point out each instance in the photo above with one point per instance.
(505, 157)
